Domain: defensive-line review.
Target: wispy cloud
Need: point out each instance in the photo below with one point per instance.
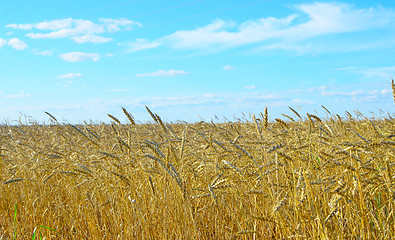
(351, 93)
(91, 38)
(79, 56)
(117, 90)
(80, 31)
(168, 73)
(70, 75)
(17, 44)
(141, 44)
(312, 89)
(317, 89)
(345, 68)
(183, 100)
(250, 87)
(382, 72)
(299, 101)
(44, 53)
(228, 67)
(289, 33)
(2, 42)
(261, 96)
(375, 95)
(20, 95)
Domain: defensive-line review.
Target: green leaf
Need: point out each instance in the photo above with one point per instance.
(35, 229)
(16, 207)
(34, 233)
(53, 230)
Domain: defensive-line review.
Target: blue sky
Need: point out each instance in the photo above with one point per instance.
(188, 60)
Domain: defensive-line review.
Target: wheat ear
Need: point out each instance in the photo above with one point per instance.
(129, 116)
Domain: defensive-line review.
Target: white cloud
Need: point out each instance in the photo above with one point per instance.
(2, 42)
(385, 91)
(381, 72)
(20, 95)
(217, 35)
(316, 89)
(338, 17)
(141, 44)
(117, 90)
(311, 89)
(79, 56)
(17, 44)
(360, 96)
(170, 73)
(228, 67)
(20, 26)
(91, 38)
(345, 68)
(44, 53)
(351, 93)
(113, 25)
(288, 33)
(250, 87)
(70, 75)
(261, 96)
(301, 101)
(80, 31)
(182, 100)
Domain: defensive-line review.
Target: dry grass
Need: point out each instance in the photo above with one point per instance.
(308, 179)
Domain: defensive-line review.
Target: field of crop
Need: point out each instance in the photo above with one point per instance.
(300, 177)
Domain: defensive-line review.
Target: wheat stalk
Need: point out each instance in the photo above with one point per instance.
(239, 174)
(393, 88)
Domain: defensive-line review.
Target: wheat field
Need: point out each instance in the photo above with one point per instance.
(299, 177)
